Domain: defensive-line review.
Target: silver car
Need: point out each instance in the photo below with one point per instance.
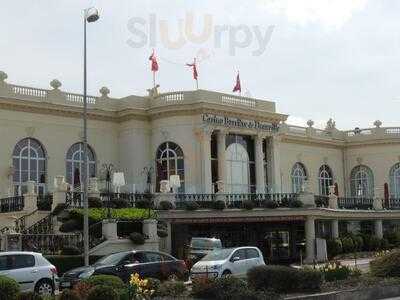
(31, 270)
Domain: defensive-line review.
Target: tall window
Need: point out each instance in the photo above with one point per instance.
(29, 162)
(362, 182)
(237, 169)
(395, 181)
(74, 164)
(325, 180)
(299, 175)
(170, 161)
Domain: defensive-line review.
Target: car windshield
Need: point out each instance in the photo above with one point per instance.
(206, 243)
(112, 259)
(219, 254)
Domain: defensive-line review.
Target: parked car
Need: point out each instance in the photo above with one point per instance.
(31, 270)
(122, 264)
(227, 262)
(200, 247)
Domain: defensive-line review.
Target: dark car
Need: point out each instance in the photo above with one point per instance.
(200, 247)
(146, 263)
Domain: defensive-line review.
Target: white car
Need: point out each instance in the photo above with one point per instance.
(227, 262)
(31, 270)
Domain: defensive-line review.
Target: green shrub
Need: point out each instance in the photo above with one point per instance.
(384, 244)
(191, 205)
(82, 289)
(348, 244)
(122, 214)
(153, 284)
(68, 295)
(171, 289)
(9, 288)
(59, 208)
(284, 279)
(218, 288)
(105, 280)
(94, 202)
(387, 265)
(29, 296)
(358, 242)
(162, 233)
(334, 247)
(393, 237)
(119, 203)
(70, 250)
(270, 204)
(248, 204)
(70, 226)
(295, 203)
(165, 205)
(137, 238)
(374, 243)
(103, 292)
(335, 271)
(219, 205)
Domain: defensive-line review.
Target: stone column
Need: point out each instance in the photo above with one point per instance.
(335, 229)
(109, 229)
(333, 199)
(221, 140)
(204, 136)
(378, 229)
(60, 190)
(310, 239)
(259, 163)
(275, 167)
(377, 204)
(168, 244)
(30, 198)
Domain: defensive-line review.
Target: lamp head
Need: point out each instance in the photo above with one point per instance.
(92, 14)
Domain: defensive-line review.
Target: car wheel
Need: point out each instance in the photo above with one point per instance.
(44, 287)
(226, 273)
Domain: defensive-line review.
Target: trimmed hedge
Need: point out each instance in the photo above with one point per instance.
(191, 206)
(284, 279)
(219, 205)
(103, 292)
(9, 288)
(64, 263)
(171, 289)
(248, 204)
(137, 238)
(122, 214)
(29, 296)
(105, 280)
(94, 202)
(387, 265)
(165, 205)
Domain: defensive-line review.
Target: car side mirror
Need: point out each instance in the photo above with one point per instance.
(234, 259)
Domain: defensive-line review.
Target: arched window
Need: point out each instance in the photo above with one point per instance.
(169, 161)
(299, 175)
(362, 182)
(395, 181)
(325, 179)
(74, 164)
(237, 169)
(29, 162)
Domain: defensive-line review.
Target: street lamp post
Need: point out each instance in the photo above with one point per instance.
(90, 15)
(108, 168)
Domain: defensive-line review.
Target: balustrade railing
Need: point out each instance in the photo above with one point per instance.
(321, 201)
(207, 201)
(29, 91)
(43, 226)
(392, 203)
(11, 204)
(355, 203)
(50, 243)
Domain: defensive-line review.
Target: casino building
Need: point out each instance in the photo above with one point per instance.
(222, 147)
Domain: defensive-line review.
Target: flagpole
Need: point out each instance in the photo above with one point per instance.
(154, 79)
(197, 84)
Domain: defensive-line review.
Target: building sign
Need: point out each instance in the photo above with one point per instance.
(214, 220)
(238, 123)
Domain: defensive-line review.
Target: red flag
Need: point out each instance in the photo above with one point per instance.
(154, 63)
(193, 65)
(237, 87)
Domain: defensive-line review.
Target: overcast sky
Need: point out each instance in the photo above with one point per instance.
(315, 58)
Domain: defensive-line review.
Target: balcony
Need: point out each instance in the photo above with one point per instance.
(11, 204)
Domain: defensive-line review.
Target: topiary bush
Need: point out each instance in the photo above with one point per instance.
(9, 288)
(334, 247)
(70, 226)
(162, 233)
(103, 292)
(284, 279)
(387, 265)
(143, 203)
(374, 243)
(165, 205)
(68, 295)
(248, 204)
(119, 203)
(295, 203)
(29, 296)
(171, 289)
(394, 238)
(219, 205)
(348, 244)
(270, 204)
(105, 280)
(137, 238)
(191, 206)
(94, 202)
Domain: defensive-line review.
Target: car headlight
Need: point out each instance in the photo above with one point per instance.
(86, 274)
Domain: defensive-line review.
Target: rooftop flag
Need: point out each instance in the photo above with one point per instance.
(237, 87)
(154, 63)
(195, 74)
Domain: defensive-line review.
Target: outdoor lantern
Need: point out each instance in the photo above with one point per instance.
(118, 180)
(174, 182)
